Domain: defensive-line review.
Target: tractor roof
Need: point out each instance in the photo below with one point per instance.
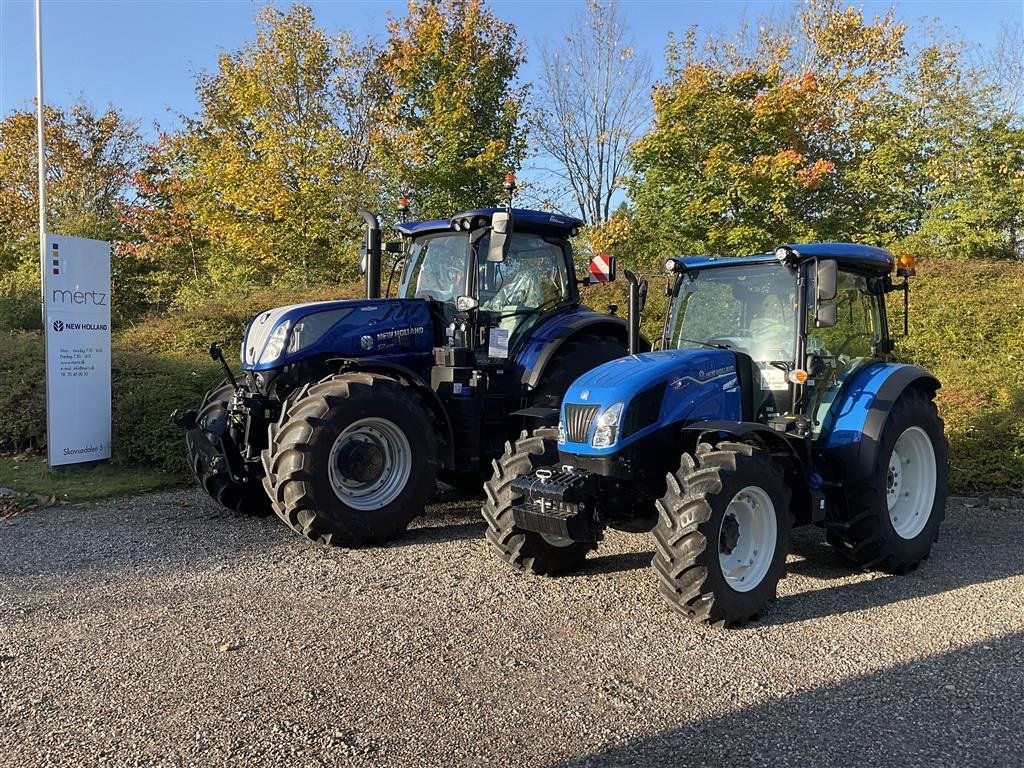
(522, 218)
(852, 256)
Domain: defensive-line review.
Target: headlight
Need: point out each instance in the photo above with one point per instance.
(561, 432)
(607, 432)
(275, 345)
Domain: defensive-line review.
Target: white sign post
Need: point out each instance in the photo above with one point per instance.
(76, 316)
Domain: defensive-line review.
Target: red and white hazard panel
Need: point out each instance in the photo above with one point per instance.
(602, 268)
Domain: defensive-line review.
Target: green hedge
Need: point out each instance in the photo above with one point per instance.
(966, 327)
(145, 388)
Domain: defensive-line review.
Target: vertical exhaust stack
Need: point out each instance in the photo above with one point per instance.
(637, 294)
(373, 254)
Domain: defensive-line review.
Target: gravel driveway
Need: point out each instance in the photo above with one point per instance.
(156, 630)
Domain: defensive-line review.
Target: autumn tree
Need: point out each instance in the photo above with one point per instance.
(592, 105)
(452, 125)
(276, 162)
(90, 159)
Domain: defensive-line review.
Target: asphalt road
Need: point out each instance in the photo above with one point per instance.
(157, 631)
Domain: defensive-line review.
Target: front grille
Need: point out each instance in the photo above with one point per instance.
(578, 419)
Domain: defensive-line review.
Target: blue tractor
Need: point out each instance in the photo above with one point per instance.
(773, 401)
(347, 411)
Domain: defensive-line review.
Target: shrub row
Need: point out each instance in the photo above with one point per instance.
(145, 389)
(966, 326)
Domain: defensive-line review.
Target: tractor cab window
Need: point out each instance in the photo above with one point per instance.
(436, 268)
(845, 347)
(749, 308)
(531, 280)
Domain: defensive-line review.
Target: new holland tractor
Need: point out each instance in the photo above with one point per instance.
(346, 411)
(772, 402)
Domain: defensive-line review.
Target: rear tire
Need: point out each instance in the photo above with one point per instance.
(351, 460)
(722, 536)
(575, 358)
(247, 499)
(893, 519)
(526, 551)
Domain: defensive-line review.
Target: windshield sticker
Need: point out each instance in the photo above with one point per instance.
(498, 343)
(773, 378)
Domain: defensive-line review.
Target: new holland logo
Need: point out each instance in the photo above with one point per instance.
(58, 326)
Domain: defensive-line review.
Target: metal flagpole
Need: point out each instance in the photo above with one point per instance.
(40, 140)
(41, 162)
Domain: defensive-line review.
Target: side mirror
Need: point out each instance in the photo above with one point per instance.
(466, 303)
(825, 315)
(642, 294)
(501, 231)
(395, 246)
(826, 278)
(602, 269)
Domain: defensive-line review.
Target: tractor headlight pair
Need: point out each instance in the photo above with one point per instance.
(306, 332)
(607, 432)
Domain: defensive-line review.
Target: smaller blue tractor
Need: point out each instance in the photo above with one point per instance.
(772, 402)
(346, 411)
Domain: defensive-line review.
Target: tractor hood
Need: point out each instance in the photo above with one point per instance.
(346, 328)
(649, 391)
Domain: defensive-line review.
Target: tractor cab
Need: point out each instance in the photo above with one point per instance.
(487, 298)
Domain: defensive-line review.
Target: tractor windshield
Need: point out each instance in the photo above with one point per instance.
(750, 307)
(436, 268)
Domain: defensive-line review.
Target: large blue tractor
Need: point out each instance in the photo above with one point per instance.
(772, 402)
(346, 411)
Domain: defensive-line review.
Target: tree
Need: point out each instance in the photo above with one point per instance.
(276, 163)
(592, 107)
(451, 132)
(90, 159)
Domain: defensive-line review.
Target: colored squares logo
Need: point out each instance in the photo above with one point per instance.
(55, 259)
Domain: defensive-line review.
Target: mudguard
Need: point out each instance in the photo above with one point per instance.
(547, 338)
(852, 429)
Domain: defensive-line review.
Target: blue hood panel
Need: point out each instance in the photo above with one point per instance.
(699, 384)
(362, 328)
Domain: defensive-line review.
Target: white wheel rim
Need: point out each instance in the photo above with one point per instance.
(370, 464)
(910, 483)
(747, 537)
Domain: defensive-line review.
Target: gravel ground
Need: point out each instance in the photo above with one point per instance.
(156, 630)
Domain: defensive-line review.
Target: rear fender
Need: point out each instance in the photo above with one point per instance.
(853, 428)
(544, 344)
(408, 378)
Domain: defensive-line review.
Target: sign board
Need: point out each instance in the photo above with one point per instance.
(76, 317)
(602, 269)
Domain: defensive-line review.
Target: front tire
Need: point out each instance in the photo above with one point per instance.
(526, 551)
(351, 460)
(722, 536)
(246, 499)
(893, 519)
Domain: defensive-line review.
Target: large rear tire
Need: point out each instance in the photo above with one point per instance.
(247, 499)
(893, 519)
(351, 460)
(526, 551)
(722, 536)
(576, 357)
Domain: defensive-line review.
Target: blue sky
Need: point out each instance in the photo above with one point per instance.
(142, 55)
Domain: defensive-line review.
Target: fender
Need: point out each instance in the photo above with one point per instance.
(543, 345)
(853, 427)
(743, 429)
(409, 378)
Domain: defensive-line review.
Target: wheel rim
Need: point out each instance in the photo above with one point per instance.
(910, 483)
(370, 464)
(746, 538)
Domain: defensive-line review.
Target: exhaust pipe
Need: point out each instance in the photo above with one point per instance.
(633, 319)
(373, 254)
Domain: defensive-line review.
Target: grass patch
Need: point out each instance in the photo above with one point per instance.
(30, 476)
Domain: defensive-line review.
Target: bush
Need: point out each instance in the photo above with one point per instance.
(187, 332)
(145, 389)
(20, 310)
